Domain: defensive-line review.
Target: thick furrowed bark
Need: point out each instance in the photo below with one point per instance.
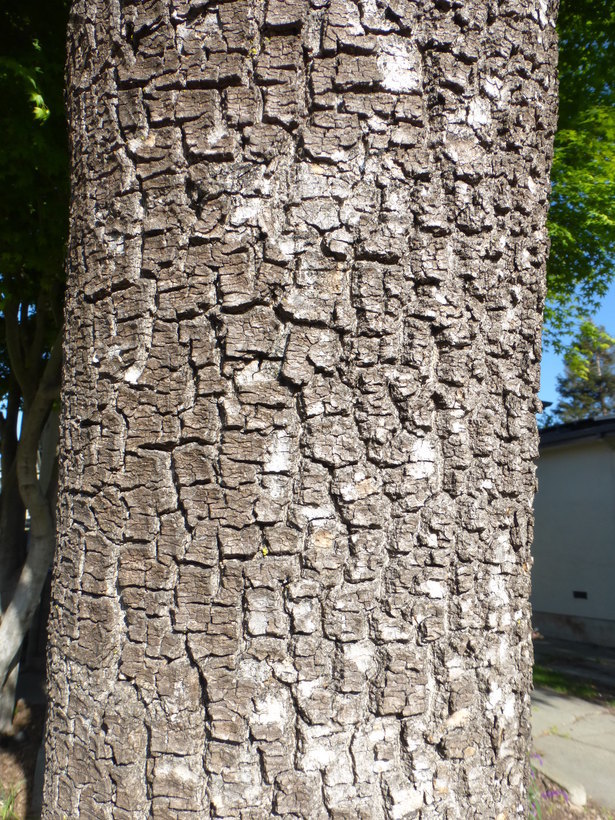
(303, 330)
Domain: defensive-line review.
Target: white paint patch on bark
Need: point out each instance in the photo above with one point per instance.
(400, 66)
(257, 623)
(361, 654)
(434, 589)
(132, 374)
(495, 696)
(115, 243)
(270, 710)
(317, 756)
(498, 592)
(245, 212)
(458, 718)
(422, 459)
(306, 687)
(278, 453)
(478, 113)
(178, 769)
(216, 133)
(404, 800)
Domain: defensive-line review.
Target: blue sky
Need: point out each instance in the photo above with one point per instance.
(552, 364)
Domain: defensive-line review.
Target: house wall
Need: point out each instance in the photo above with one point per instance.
(574, 541)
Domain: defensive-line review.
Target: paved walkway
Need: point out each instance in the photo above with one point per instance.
(575, 741)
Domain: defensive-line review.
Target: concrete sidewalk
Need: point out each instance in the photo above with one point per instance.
(575, 740)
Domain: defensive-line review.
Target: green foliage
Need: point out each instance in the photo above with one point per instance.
(10, 67)
(33, 172)
(588, 351)
(582, 215)
(34, 157)
(587, 388)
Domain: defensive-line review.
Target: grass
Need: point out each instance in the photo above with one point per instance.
(7, 801)
(567, 685)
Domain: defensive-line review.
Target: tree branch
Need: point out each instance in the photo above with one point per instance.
(33, 423)
(35, 352)
(14, 349)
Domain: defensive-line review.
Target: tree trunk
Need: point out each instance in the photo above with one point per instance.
(12, 512)
(31, 462)
(303, 335)
(17, 617)
(12, 538)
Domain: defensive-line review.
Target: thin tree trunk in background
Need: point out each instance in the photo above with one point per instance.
(12, 539)
(27, 483)
(303, 334)
(12, 513)
(17, 617)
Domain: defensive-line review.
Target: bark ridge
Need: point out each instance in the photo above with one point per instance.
(303, 331)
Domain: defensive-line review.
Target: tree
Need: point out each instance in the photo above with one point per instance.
(32, 218)
(582, 214)
(306, 271)
(587, 388)
(33, 204)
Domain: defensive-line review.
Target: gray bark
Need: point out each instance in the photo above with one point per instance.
(29, 469)
(17, 616)
(303, 334)
(12, 513)
(12, 536)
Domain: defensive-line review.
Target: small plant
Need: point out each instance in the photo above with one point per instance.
(541, 800)
(7, 801)
(535, 810)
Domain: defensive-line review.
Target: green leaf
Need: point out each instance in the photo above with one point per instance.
(582, 215)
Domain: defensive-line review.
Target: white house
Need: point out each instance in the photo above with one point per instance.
(573, 577)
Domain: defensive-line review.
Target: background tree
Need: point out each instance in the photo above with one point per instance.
(582, 213)
(33, 221)
(587, 388)
(307, 260)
